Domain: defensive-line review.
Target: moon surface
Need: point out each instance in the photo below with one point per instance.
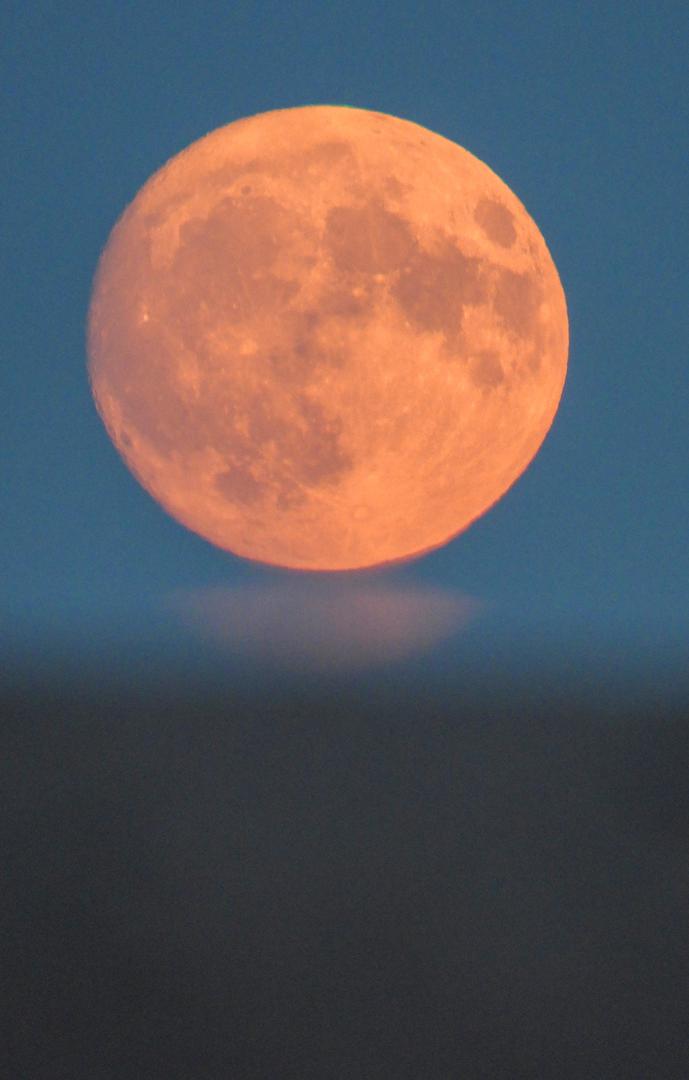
(326, 338)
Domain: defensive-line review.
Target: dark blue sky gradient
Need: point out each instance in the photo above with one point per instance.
(581, 108)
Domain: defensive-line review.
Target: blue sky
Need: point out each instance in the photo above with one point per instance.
(580, 108)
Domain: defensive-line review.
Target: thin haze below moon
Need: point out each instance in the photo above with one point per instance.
(324, 624)
(327, 338)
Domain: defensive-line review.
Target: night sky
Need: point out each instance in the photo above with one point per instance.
(426, 822)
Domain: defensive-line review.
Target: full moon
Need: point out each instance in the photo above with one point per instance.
(326, 338)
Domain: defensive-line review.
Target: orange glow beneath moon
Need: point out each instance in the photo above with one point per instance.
(326, 338)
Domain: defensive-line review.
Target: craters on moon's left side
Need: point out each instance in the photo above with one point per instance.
(224, 263)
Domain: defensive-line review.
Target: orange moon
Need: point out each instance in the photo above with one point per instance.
(326, 338)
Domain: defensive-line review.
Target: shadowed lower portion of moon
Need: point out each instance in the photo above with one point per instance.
(327, 338)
